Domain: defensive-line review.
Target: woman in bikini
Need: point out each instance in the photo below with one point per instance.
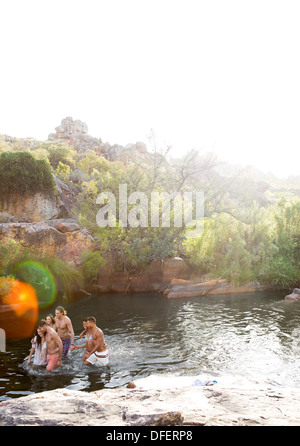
(89, 340)
(51, 321)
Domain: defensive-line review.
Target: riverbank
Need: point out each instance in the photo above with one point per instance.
(172, 278)
(160, 401)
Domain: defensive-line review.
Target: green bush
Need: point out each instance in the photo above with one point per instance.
(91, 262)
(266, 250)
(21, 172)
(61, 154)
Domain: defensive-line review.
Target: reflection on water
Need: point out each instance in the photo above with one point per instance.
(250, 335)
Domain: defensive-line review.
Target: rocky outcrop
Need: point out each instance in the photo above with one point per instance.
(65, 199)
(61, 237)
(26, 207)
(131, 153)
(194, 288)
(160, 401)
(75, 133)
(38, 206)
(295, 295)
(44, 224)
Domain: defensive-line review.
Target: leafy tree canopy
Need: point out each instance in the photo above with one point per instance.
(21, 172)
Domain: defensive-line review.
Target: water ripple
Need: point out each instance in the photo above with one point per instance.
(253, 335)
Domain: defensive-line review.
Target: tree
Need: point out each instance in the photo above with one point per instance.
(265, 250)
(21, 172)
(61, 153)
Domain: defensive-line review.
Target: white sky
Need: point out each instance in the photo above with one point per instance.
(217, 75)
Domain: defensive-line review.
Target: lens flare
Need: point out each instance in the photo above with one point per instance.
(18, 308)
(40, 278)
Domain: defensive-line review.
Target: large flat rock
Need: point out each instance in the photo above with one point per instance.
(157, 401)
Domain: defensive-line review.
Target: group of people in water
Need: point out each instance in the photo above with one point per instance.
(54, 338)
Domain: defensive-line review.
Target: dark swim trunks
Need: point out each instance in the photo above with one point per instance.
(66, 346)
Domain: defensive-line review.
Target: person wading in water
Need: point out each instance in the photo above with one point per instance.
(96, 348)
(54, 345)
(64, 330)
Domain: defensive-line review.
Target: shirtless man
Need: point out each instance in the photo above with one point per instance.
(96, 348)
(64, 330)
(54, 345)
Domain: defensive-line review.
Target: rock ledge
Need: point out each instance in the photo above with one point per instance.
(159, 401)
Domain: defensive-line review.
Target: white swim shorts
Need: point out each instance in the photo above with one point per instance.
(99, 358)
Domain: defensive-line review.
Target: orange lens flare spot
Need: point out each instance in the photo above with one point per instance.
(37, 275)
(18, 308)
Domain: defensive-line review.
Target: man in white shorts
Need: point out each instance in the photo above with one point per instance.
(98, 354)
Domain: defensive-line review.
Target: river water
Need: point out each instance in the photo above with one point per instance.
(255, 336)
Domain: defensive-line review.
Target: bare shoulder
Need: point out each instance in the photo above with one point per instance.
(98, 332)
(53, 333)
(68, 320)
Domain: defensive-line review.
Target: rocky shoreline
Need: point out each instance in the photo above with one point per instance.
(160, 401)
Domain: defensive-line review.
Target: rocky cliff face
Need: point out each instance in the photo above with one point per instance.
(39, 206)
(44, 224)
(156, 277)
(63, 238)
(35, 207)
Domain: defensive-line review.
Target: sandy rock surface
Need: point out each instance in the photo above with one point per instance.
(160, 401)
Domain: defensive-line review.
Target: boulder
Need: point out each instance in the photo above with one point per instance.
(131, 153)
(295, 295)
(190, 288)
(175, 268)
(141, 147)
(7, 218)
(70, 127)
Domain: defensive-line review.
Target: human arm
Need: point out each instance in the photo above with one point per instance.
(76, 347)
(82, 333)
(59, 344)
(71, 331)
(33, 344)
(30, 354)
